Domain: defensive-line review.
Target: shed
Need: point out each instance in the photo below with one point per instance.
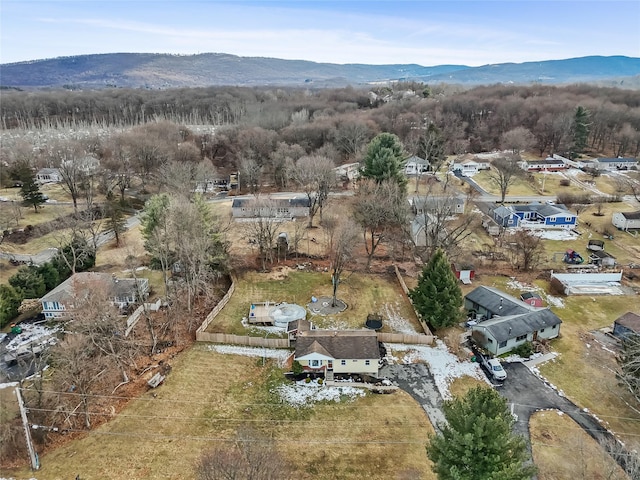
(627, 324)
(464, 272)
(626, 220)
(602, 258)
(533, 299)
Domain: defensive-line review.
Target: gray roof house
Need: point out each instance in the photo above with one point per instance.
(338, 351)
(502, 334)
(627, 324)
(48, 175)
(504, 322)
(446, 204)
(626, 220)
(121, 292)
(270, 207)
(617, 163)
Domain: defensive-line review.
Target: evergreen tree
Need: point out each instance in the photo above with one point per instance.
(580, 129)
(28, 282)
(384, 160)
(10, 300)
(30, 193)
(437, 297)
(477, 442)
(116, 222)
(49, 275)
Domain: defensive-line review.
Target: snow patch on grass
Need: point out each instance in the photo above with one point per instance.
(279, 354)
(443, 365)
(302, 394)
(397, 322)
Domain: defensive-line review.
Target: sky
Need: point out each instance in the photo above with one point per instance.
(460, 32)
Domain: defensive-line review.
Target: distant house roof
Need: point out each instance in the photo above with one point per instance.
(48, 171)
(292, 202)
(498, 302)
(629, 320)
(347, 344)
(512, 326)
(631, 215)
(298, 325)
(417, 160)
(436, 201)
(617, 160)
(546, 161)
(543, 209)
(73, 286)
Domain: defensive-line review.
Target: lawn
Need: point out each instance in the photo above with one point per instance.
(563, 451)
(363, 294)
(520, 186)
(208, 395)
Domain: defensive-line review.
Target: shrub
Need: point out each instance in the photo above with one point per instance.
(565, 182)
(524, 350)
(320, 381)
(307, 380)
(296, 367)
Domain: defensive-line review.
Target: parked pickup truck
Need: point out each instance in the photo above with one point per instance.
(493, 366)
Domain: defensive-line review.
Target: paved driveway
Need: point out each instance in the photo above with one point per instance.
(525, 392)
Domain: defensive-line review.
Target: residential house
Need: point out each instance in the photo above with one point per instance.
(487, 302)
(425, 229)
(121, 292)
(602, 259)
(549, 164)
(295, 327)
(271, 208)
(338, 351)
(348, 171)
(415, 166)
(501, 334)
(627, 324)
(618, 163)
(626, 220)
(48, 175)
(466, 167)
(442, 204)
(534, 215)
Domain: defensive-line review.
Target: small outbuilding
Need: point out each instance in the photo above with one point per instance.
(464, 272)
(627, 324)
(533, 299)
(626, 220)
(602, 259)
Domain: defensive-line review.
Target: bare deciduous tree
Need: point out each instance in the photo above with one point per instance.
(316, 176)
(378, 208)
(262, 228)
(504, 172)
(517, 140)
(344, 239)
(250, 174)
(528, 250)
(251, 457)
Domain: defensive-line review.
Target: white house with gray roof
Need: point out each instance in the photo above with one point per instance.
(504, 322)
(626, 220)
(121, 292)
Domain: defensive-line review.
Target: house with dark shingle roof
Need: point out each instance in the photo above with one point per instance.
(534, 215)
(270, 208)
(121, 292)
(627, 324)
(338, 351)
(616, 163)
(504, 322)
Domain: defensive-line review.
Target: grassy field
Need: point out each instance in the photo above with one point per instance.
(163, 435)
(563, 451)
(363, 294)
(520, 186)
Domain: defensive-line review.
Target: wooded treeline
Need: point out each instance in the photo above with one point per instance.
(345, 119)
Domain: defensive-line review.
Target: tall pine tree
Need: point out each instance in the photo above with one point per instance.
(30, 193)
(384, 160)
(438, 298)
(477, 442)
(580, 130)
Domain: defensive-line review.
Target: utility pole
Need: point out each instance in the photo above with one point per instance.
(35, 462)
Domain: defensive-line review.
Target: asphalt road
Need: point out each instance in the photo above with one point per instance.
(48, 253)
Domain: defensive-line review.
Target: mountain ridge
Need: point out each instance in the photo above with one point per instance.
(160, 70)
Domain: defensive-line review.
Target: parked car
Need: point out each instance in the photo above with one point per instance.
(494, 367)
